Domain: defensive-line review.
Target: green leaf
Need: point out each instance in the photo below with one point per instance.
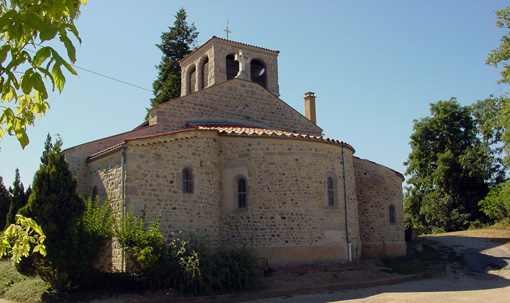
(41, 56)
(58, 77)
(47, 33)
(21, 135)
(69, 68)
(3, 52)
(71, 51)
(26, 82)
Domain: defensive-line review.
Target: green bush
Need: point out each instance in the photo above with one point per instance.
(496, 204)
(145, 249)
(94, 230)
(200, 269)
(188, 264)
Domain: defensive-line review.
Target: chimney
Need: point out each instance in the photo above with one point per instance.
(310, 107)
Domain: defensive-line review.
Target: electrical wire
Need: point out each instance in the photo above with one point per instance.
(111, 78)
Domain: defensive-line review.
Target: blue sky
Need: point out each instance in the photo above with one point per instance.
(375, 66)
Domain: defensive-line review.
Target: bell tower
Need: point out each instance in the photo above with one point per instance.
(219, 60)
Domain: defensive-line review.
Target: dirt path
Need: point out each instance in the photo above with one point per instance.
(483, 251)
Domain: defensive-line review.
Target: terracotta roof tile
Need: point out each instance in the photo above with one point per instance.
(262, 132)
(230, 130)
(104, 151)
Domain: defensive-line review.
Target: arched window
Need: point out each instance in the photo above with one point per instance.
(331, 192)
(232, 67)
(331, 189)
(205, 72)
(258, 73)
(193, 80)
(187, 180)
(241, 193)
(392, 214)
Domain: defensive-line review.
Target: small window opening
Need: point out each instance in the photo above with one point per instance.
(205, 72)
(193, 80)
(187, 181)
(331, 192)
(392, 214)
(241, 193)
(258, 73)
(232, 67)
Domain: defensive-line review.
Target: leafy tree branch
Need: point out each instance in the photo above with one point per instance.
(24, 24)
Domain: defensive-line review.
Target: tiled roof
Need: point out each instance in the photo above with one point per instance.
(104, 151)
(229, 130)
(262, 132)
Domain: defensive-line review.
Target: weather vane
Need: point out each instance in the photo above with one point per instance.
(227, 29)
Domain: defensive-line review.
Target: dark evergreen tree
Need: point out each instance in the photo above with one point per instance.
(176, 44)
(18, 199)
(56, 206)
(449, 170)
(5, 203)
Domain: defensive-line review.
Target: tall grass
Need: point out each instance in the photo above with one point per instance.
(17, 287)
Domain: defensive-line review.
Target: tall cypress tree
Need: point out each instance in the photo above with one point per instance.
(56, 206)
(18, 199)
(176, 44)
(5, 203)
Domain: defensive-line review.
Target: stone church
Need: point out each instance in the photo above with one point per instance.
(231, 161)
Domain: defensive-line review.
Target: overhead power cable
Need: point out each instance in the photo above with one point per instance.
(111, 78)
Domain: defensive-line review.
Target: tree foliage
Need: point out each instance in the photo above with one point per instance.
(448, 168)
(25, 63)
(5, 203)
(501, 54)
(18, 199)
(56, 206)
(21, 239)
(176, 44)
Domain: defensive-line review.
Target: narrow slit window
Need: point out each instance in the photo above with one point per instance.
(392, 214)
(331, 192)
(205, 73)
(187, 181)
(241, 193)
(193, 80)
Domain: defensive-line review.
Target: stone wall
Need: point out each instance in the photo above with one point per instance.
(378, 187)
(105, 174)
(76, 156)
(234, 100)
(154, 181)
(216, 50)
(288, 219)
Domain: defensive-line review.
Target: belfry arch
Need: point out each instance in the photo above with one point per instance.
(220, 60)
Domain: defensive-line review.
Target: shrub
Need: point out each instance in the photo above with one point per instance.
(496, 205)
(145, 249)
(200, 269)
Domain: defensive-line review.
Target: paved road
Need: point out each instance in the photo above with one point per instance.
(479, 283)
(480, 253)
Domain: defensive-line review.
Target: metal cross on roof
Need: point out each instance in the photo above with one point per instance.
(227, 30)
